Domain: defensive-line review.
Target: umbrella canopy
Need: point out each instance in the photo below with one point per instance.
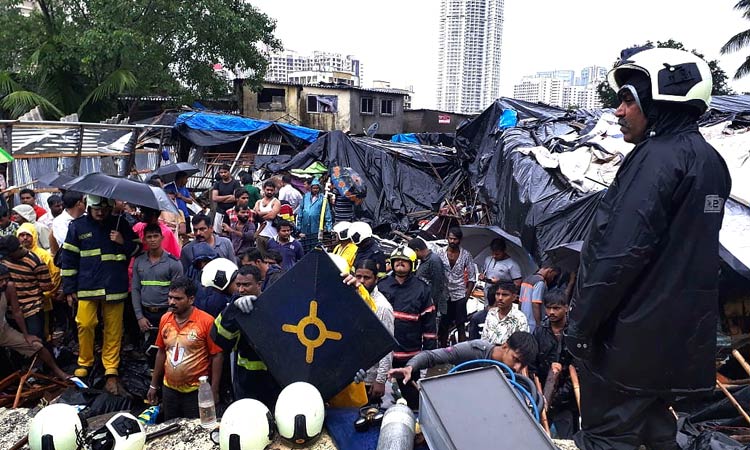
(54, 179)
(123, 189)
(567, 255)
(477, 240)
(168, 172)
(311, 327)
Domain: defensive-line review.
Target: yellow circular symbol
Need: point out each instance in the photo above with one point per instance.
(313, 320)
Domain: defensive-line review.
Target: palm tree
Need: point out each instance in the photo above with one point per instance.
(740, 40)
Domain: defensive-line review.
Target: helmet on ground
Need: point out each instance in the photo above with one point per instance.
(359, 231)
(56, 427)
(342, 230)
(406, 254)
(246, 425)
(676, 76)
(340, 262)
(299, 414)
(122, 432)
(219, 273)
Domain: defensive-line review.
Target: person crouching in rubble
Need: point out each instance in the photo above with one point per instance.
(517, 353)
(22, 342)
(644, 313)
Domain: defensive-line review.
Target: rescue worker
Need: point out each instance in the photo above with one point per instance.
(367, 246)
(217, 278)
(646, 289)
(95, 258)
(517, 352)
(413, 312)
(344, 247)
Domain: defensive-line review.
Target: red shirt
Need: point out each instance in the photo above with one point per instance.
(188, 347)
(39, 211)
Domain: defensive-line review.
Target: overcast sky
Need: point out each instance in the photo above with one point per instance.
(397, 40)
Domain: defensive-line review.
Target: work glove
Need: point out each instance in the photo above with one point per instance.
(246, 304)
(360, 376)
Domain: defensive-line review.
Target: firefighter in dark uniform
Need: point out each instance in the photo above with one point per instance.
(95, 259)
(415, 325)
(644, 314)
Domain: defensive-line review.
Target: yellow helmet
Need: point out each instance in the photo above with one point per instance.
(404, 253)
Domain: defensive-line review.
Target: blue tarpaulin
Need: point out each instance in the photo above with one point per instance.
(208, 129)
(406, 138)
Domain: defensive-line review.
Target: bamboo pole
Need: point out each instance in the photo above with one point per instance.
(733, 401)
(22, 381)
(738, 356)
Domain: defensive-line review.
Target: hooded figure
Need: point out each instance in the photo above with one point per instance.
(643, 316)
(27, 214)
(45, 257)
(311, 209)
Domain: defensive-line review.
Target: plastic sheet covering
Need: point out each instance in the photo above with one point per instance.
(735, 245)
(444, 139)
(727, 107)
(207, 129)
(401, 179)
(524, 199)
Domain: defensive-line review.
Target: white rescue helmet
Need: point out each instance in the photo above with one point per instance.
(56, 427)
(299, 414)
(359, 231)
(122, 432)
(341, 229)
(219, 273)
(676, 76)
(246, 425)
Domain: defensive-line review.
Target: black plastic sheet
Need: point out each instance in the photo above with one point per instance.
(401, 179)
(524, 198)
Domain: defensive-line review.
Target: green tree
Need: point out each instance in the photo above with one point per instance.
(77, 55)
(720, 80)
(740, 40)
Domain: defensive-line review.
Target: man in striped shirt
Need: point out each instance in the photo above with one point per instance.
(31, 278)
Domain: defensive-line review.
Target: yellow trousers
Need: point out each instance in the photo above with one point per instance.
(86, 320)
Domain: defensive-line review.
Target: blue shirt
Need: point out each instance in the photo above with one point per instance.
(291, 251)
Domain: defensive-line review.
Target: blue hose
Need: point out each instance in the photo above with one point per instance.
(511, 378)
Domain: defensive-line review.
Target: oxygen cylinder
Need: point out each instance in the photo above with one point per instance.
(397, 429)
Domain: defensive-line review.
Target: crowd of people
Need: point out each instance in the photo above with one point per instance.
(179, 284)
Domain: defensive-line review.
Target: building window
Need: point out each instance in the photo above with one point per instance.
(272, 100)
(322, 104)
(367, 106)
(386, 107)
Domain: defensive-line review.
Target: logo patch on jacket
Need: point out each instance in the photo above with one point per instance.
(714, 204)
(85, 235)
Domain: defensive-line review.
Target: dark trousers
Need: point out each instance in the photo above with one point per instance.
(456, 314)
(614, 420)
(176, 404)
(35, 325)
(409, 391)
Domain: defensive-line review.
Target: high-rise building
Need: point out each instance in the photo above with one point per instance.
(592, 74)
(282, 66)
(470, 43)
(567, 75)
(538, 89)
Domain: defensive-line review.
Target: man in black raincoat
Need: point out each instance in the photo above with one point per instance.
(643, 318)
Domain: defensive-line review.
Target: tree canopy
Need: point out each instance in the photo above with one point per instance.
(72, 56)
(740, 40)
(608, 97)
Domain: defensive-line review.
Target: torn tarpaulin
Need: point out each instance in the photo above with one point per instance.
(401, 179)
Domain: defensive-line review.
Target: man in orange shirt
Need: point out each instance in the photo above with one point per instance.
(186, 353)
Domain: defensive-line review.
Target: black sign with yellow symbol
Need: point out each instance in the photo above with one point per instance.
(309, 326)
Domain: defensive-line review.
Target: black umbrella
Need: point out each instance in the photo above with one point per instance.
(167, 173)
(567, 256)
(123, 189)
(54, 179)
(477, 240)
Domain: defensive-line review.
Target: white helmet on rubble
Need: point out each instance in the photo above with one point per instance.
(56, 427)
(122, 432)
(676, 76)
(342, 230)
(359, 231)
(219, 273)
(246, 425)
(300, 413)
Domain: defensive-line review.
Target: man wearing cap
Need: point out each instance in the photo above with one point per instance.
(95, 259)
(310, 210)
(643, 316)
